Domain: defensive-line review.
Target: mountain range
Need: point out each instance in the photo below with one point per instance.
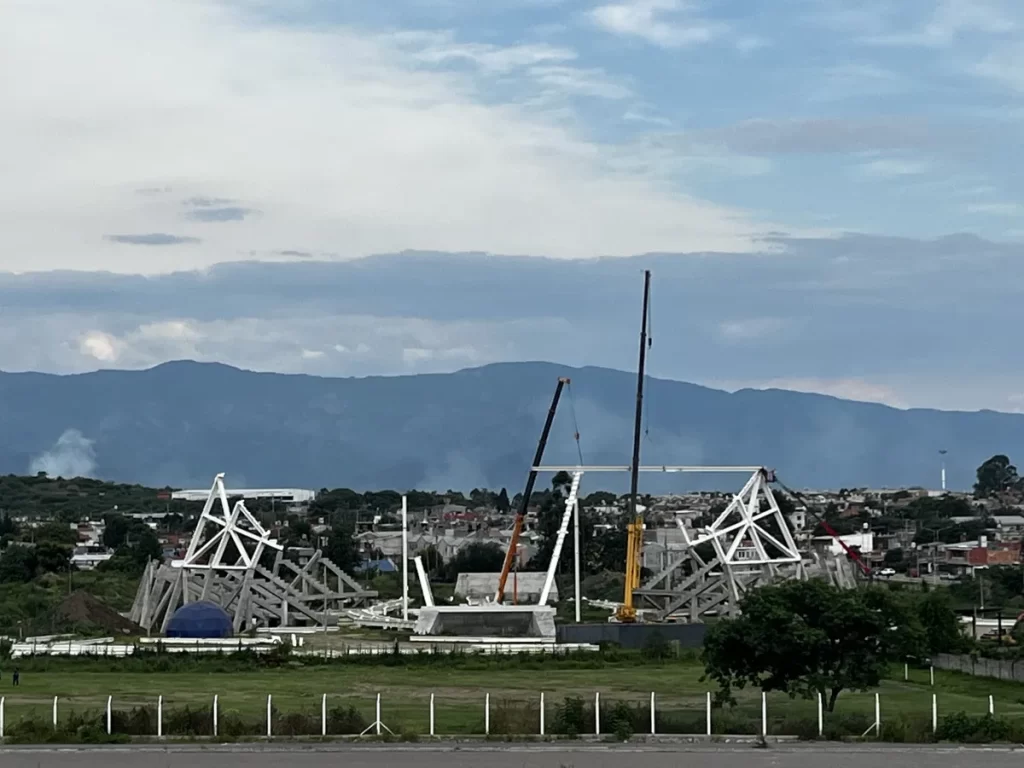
(180, 423)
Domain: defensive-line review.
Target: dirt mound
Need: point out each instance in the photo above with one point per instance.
(83, 611)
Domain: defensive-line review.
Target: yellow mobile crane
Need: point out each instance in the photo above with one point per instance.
(635, 528)
(634, 544)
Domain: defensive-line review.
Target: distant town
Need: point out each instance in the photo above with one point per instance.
(905, 533)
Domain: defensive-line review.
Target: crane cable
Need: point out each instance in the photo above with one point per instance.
(575, 423)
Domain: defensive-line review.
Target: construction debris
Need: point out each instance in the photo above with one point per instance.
(233, 562)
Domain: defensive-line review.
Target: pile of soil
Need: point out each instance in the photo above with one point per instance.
(81, 610)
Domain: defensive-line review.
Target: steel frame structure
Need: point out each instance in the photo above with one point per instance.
(751, 541)
(227, 563)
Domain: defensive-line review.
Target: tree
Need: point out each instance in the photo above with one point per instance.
(549, 519)
(115, 530)
(433, 562)
(52, 557)
(996, 475)
(342, 550)
(475, 558)
(894, 556)
(503, 503)
(940, 624)
(17, 564)
(808, 637)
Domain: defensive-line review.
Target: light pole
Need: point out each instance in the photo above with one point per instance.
(942, 453)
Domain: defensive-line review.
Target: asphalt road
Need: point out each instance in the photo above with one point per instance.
(510, 756)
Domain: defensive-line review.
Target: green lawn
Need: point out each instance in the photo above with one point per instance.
(459, 695)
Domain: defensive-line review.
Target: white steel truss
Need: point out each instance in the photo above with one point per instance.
(751, 541)
(741, 535)
(563, 529)
(220, 525)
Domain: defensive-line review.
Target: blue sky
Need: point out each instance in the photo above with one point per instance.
(859, 159)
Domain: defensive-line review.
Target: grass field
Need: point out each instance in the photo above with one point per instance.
(459, 695)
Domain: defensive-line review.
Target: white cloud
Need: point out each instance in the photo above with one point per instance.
(996, 209)
(101, 347)
(892, 167)
(347, 142)
(751, 328)
(660, 22)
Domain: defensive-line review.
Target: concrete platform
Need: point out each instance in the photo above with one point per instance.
(500, 621)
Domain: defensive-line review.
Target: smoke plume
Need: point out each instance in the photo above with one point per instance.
(71, 456)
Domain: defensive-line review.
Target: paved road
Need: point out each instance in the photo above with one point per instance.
(510, 756)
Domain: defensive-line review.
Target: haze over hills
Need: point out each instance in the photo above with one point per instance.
(181, 422)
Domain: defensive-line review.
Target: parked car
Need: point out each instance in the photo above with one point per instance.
(887, 572)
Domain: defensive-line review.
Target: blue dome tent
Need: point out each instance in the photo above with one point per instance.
(202, 619)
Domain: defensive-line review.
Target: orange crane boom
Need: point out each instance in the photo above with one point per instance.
(524, 502)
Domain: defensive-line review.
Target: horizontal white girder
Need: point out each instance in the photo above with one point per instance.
(650, 468)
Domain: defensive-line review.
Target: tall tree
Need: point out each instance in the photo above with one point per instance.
(996, 475)
(503, 503)
(808, 637)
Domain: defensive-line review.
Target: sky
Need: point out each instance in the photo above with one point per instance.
(833, 188)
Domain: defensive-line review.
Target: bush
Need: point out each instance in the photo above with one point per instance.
(76, 728)
(514, 718)
(964, 729)
(571, 717)
(905, 729)
(621, 720)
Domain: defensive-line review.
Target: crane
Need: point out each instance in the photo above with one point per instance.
(635, 527)
(524, 503)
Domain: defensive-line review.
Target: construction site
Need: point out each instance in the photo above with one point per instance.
(234, 564)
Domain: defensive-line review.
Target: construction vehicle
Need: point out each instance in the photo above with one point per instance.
(635, 528)
(524, 503)
(626, 613)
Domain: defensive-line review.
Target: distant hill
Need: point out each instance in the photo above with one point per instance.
(180, 423)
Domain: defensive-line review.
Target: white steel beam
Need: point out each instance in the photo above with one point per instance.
(649, 468)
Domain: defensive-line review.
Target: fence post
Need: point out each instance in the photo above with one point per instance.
(323, 715)
(431, 714)
(652, 713)
(215, 714)
(597, 713)
(2, 700)
(542, 713)
(109, 714)
(991, 705)
(906, 672)
(160, 717)
(378, 715)
(821, 716)
(935, 713)
(269, 717)
(708, 714)
(55, 713)
(878, 717)
(931, 674)
(764, 713)
(487, 714)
